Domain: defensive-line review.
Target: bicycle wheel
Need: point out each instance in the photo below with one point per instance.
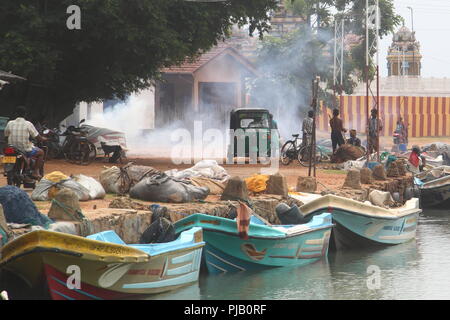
(75, 153)
(287, 151)
(90, 153)
(303, 156)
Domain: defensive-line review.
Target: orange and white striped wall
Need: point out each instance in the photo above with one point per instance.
(424, 116)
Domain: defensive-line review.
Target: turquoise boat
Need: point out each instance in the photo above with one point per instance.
(361, 224)
(267, 245)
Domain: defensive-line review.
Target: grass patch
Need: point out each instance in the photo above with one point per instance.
(335, 171)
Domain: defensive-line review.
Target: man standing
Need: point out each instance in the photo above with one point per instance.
(18, 133)
(337, 128)
(375, 126)
(307, 128)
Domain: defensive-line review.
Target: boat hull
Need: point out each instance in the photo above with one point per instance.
(266, 245)
(353, 230)
(99, 270)
(435, 198)
(256, 254)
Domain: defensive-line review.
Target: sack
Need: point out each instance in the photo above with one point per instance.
(381, 198)
(354, 164)
(161, 188)
(115, 180)
(161, 230)
(136, 173)
(290, 215)
(205, 168)
(214, 186)
(94, 187)
(46, 190)
(120, 180)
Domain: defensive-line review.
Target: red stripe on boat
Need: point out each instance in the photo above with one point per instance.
(86, 292)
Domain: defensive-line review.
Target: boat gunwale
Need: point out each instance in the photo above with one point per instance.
(42, 247)
(282, 235)
(370, 216)
(325, 202)
(273, 238)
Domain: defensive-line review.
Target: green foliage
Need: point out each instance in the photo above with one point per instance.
(120, 48)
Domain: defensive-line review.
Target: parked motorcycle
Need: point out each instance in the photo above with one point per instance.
(76, 147)
(52, 147)
(18, 168)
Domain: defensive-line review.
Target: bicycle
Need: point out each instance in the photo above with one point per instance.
(292, 150)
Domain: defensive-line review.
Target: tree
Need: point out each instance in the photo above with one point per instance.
(291, 63)
(119, 49)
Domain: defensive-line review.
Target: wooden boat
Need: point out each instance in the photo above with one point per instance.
(267, 245)
(434, 186)
(435, 194)
(100, 266)
(359, 224)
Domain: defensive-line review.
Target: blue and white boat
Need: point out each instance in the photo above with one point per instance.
(108, 268)
(361, 224)
(267, 245)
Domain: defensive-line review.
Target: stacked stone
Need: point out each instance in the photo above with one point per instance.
(353, 179)
(393, 170)
(366, 176)
(379, 173)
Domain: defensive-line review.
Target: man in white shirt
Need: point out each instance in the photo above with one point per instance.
(18, 133)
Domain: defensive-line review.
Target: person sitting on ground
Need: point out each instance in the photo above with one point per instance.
(337, 128)
(354, 141)
(18, 133)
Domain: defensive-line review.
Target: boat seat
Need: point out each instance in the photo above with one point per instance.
(107, 236)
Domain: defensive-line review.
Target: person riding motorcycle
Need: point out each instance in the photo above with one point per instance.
(18, 133)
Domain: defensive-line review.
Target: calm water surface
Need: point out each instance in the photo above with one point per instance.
(419, 269)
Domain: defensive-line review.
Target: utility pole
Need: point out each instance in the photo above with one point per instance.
(414, 39)
(314, 105)
(338, 67)
(373, 45)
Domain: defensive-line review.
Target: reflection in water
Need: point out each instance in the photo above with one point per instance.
(419, 269)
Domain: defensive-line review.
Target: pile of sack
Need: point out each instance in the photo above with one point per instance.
(205, 168)
(347, 152)
(148, 184)
(86, 188)
(120, 180)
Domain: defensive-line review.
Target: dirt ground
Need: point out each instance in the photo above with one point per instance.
(327, 177)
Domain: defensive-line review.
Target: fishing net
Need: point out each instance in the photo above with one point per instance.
(18, 208)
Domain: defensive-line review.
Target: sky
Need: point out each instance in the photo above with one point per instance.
(432, 26)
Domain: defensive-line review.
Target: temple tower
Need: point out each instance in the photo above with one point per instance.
(404, 58)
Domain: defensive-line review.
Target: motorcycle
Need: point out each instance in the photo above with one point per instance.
(76, 147)
(52, 146)
(18, 168)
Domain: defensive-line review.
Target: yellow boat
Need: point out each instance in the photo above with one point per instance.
(100, 266)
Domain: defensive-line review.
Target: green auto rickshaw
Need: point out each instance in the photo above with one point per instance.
(248, 127)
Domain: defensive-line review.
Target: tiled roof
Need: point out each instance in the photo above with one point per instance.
(223, 48)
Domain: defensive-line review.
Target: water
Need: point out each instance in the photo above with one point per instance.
(419, 269)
